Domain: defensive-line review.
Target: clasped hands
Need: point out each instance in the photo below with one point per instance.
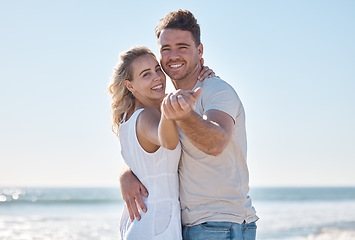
(179, 104)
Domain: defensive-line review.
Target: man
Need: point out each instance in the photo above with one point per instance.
(213, 170)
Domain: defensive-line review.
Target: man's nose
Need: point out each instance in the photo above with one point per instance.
(173, 54)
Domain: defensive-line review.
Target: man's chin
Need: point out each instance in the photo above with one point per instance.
(175, 76)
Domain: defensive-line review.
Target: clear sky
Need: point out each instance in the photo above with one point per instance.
(292, 64)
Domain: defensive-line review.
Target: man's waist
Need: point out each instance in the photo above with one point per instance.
(234, 210)
(189, 219)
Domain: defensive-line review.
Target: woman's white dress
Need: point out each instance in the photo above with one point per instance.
(158, 172)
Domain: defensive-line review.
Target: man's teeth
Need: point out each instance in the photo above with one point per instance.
(176, 65)
(158, 87)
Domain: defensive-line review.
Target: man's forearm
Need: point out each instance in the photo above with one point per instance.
(125, 170)
(131, 190)
(204, 134)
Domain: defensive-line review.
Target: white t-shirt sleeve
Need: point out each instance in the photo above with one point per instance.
(221, 96)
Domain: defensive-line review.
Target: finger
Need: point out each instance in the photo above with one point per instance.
(164, 101)
(197, 92)
(183, 104)
(206, 72)
(202, 61)
(203, 74)
(192, 93)
(144, 191)
(130, 212)
(189, 98)
(174, 103)
(212, 73)
(167, 108)
(162, 106)
(139, 199)
(141, 204)
(134, 209)
(163, 98)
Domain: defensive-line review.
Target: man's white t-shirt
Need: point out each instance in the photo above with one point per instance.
(216, 188)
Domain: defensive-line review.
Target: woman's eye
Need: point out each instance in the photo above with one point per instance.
(158, 69)
(146, 74)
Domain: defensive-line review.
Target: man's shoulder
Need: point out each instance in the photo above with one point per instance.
(216, 84)
(214, 81)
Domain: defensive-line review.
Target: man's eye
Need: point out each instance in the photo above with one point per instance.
(164, 49)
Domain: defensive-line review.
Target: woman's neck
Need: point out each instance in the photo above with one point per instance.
(140, 104)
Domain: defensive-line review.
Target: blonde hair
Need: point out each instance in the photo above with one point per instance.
(122, 98)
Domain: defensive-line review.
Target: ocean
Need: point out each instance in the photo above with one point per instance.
(94, 213)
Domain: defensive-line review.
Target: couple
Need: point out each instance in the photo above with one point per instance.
(203, 121)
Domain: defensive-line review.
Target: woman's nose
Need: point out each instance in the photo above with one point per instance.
(156, 77)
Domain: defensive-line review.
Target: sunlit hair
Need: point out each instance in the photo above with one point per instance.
(183, 20)
(122, 99)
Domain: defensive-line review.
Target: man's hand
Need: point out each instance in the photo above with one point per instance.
(179, 104)
(132, 190)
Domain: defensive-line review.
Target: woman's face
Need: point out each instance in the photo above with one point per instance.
(148, 79)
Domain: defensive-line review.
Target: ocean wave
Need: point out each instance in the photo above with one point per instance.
(333, 233)
(326, 233)
(302, 194)
(59, 196)
(64, 201)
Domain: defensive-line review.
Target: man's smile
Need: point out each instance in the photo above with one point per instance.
(175, 66)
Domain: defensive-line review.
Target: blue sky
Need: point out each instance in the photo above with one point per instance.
(291, 62)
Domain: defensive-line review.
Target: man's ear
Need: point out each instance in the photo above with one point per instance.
(128, 85)
(200, 50)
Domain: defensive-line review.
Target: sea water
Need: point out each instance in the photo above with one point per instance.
(59, 213)
(94, 213)
(305, 213)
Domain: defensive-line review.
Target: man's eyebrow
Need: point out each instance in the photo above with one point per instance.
(144, 71)
(183, 44)
(178, 44)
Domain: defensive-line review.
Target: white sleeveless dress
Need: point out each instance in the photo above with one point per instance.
(158, 172)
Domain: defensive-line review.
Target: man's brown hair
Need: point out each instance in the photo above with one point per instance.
(183, 20)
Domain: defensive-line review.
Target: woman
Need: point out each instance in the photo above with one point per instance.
(149, 142)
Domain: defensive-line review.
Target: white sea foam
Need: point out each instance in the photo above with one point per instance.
(85, 226)
(305, 220)
(95, 214)
(328, 234)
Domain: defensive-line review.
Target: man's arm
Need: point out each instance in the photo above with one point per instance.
(132, 190)
(209, 133)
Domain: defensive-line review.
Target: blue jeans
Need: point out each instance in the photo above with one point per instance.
(220, 231)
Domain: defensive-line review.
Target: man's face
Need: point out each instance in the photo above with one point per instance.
(180, 57)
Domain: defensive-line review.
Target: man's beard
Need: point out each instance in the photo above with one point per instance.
(182, 75)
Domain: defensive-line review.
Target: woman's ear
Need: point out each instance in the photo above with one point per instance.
(128, 85)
